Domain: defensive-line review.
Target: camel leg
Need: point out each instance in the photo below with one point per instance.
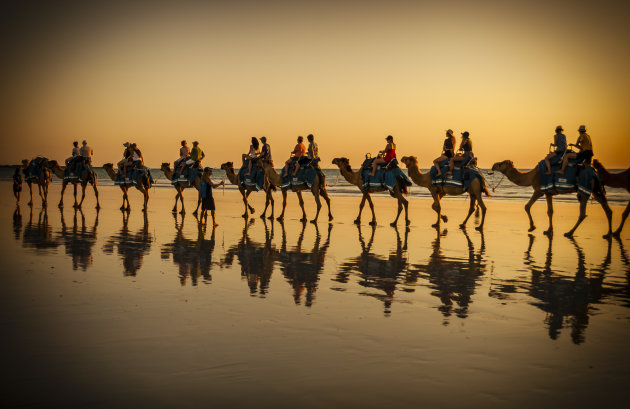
(301, 201)
(74, 193)
(528, 207)
(122, 207)
(318, 202)
(471, 210)
(369, 199)
(438, 208)
(284, 205)
(400, 207)
(264, 212)
(145, 193)
(198, 204)
(244, 197)
(604, 203)
(98, 205)
(251, 209)
(358, 219)
(624, 216)
(30, 190)
(45, 190)
(181, 200)
(41, 194)
(406, 205)
(174, 211)
(63, 189)
(324, 194)
(549, 231)
(83, 186)
(481, 204)
(583, 200)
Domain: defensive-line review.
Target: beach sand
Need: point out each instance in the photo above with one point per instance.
(158, 312)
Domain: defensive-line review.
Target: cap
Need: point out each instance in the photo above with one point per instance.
(126, 144)
(84, 143)
(582, 128)
(465, 134)
(389, 137)
(195, 143)
(263, 138)
(559, 128)
(450, 132)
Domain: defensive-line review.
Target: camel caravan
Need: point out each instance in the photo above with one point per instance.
(566, 169)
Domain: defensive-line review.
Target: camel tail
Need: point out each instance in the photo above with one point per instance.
(484, 187)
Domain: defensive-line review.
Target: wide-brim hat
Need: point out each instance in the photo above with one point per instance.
(126, 144)
(389, 137)
(559, 128)
(195, 143)
(449, 131)
(582, 128)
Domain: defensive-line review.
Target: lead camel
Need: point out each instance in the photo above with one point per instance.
(87, 176)
(532, 178)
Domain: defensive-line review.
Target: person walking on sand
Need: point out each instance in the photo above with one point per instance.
(448, 151)
(312, 152)
(298, 152)
(184, 154)
(465, 147)
(207, 201)
(17, 184)
(252, 155)
(560, 142)
(585, 146)
(389, 152)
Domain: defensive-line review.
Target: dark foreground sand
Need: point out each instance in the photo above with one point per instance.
(157, 312)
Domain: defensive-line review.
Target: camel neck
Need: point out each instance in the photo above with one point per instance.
(614, 179)
(350, 176)
(167, 172)
(519, 178)
(229, 172)
(273, 176)
(418, 177)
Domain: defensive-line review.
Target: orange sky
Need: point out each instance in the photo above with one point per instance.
(508, 72)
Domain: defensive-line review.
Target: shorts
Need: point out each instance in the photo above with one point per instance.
(448, 154)
(207, 203)
(584, 156)
(304, 160)
(559, 152)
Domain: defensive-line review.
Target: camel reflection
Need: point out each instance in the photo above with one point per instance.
(17, 222)
(566, 300)
(453, 280)
(302, 268)
(78, 241)
(625, 292)
(256, 259)
(39, 235)
(193, 257)
(131, 247)
(377, 272)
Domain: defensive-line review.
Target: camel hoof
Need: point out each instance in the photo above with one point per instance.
(617, 233)
(373, 223)
(270, 217)
(280, 218)
(444, 218)
(568, 234)
(244, 216)
(330, 218)
(174, 211)
(182, 212)
(357, 221)
(435, 225)
(608, 236)
(462, 226)
(262, 216)
(479, 228)
(252, 210)
(122, 207)
(548, 233)
(393, 224)
(195, 213)
(60, 205)
(532, 228)
(97, 206)
(314, 221)
(303, 220)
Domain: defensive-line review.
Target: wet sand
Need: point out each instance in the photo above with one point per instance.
(105, 310)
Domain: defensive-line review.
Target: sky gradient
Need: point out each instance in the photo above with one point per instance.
(351, 73)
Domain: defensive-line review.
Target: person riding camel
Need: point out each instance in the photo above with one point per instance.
(184, 154)
(585, 146)
(252, 155)
(126, 155)
(560, 142)
(134, 160)
(448, 151)
(265, 151)
(196, 155)
(386, 155)
(298, 152)
(311, 153)
(72, 160)
(86, 153)
(465, 147)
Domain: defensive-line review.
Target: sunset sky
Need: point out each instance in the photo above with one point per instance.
(350, 72)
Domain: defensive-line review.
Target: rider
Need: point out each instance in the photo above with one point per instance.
(126, 155)
(448, 149)
(86, 153)
(196, 155)
(311, 153)
(265, 151)
(298, 152)
(184, 153)
(135, 159)
(71, 161)
(389, 152)
(465, 146)
(252, 155)
(17, 183)
(585, 146)
(560, 142)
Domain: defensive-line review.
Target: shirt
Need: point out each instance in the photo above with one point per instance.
(136, 154)
(86, 151)
(266, 152)
(196, 153)
(183, 151)
(561, 142)
(76, 151)
(466, 145)
(313, 151)
(448, 144)
(253, 152)
(300, 150)
(206, 190)
(584, 142)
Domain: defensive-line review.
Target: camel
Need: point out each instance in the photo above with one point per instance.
(356, 179)
(180, 186)
(621, 180)
(532, 178)
(268, 187)
(87, 176)
(143, 186)
(476, 190)
(318, 188)
(42, 182)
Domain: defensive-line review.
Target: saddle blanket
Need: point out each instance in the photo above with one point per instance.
(385, 176)
(574, 177)
(256, 180)
(461, 176)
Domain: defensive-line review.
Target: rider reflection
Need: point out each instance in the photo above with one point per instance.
(131, 247)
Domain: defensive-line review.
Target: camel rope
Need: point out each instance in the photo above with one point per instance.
(497, 185)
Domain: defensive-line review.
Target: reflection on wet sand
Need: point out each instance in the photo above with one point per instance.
(17, 222)
(453, 280)
(193, 257)
(303, 268)
(78, 241)
(566, 300)
(256, 259)
(131, 247)
(39, 235)
(376, 271)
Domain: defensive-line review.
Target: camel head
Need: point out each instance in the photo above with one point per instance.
(165, 166)
(409, 161)
(343, 163)
(227, 166)
(503, 166)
